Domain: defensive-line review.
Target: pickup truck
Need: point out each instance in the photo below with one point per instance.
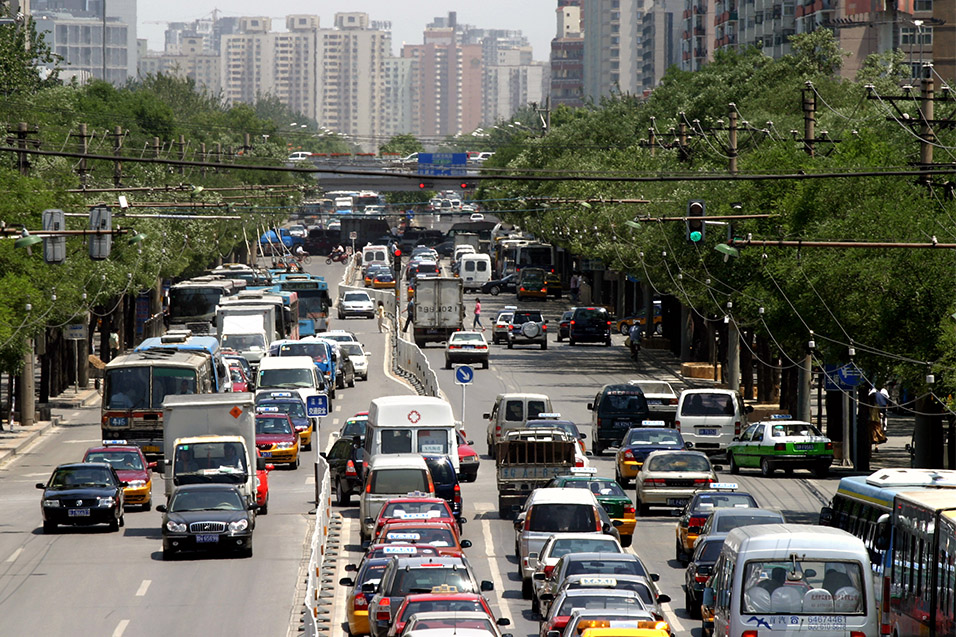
(527, 459)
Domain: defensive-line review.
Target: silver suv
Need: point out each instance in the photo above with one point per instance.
(528, 326)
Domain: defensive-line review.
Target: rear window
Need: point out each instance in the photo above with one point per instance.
(622, 401)
(598, 601)
(433, 441)
(652, 437)
(605, 567)
(423, 580)
(535, 408)
(396, 440)
(523, 317)
(710, 551)
(442, 471)
(679, 462)
(561, 518)
(710, 501)
(708, 405)
(728, 523)
(591, 314)
(581, 545)
(398, 481)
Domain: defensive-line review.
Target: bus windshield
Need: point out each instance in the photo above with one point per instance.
(129, 388)
(189, 302)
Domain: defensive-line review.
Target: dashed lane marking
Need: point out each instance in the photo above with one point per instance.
(141, 592)
(121, 628)
(13, 556)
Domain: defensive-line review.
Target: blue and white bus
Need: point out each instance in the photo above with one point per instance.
(185, 341)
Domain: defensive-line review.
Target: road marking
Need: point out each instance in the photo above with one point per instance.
(335, 421)
(36, 475)
(85, 442)
(121, 628)
(13, 556)
(338, 408)
(143, 587)
(505, 609)
(310, 480)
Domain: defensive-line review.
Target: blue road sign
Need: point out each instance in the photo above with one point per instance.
(842, 377)
(464, 374)
(317, 406)
(442, 164)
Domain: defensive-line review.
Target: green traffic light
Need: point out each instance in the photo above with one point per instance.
(696, 236)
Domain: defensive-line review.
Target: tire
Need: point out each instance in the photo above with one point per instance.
(607, 343)
(352, 381)
(820, 471)
(307, 260)
(122, 520)
(49, 528)
(624, 329)
(328, 261)
(559, 337)
(766, 469)
(511, 344)
(494, 290)
(342, 497)
(295, 465)
(535, 605)
(642, 509)
(307, 447)
(627, 540)
(679, 553)
(734, 467)
(571, 342)
(544, 345)
(621, 480)
(447, 364)
(264, 509)
(114, 525)
(504, 512)
(693, 608)
(597, 449)
(526, 589)
(168, 555)
(149, 505)
(484, 365)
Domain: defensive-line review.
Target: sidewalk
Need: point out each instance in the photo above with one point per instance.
(15, 438)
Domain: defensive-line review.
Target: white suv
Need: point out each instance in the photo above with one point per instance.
(711, 418)
(356, 304)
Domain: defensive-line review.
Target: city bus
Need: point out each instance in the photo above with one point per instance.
(192, 303)
(863, 506)
(314, 299)
(534, 255)
(185, 341)
(922, 577)
(135, 386)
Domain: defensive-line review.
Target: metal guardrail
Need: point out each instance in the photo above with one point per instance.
(325, 538)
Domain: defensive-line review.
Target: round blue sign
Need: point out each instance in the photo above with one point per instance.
(464, 374)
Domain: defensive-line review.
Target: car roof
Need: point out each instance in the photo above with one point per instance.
(83, 465)
(397, 460)
(445, 561)
(579, 536)
(748, 511)
(664, 452)
(602, 555)
(206, 487)
(104, 448)
(553, 495)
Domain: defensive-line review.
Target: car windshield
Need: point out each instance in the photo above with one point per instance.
(598, 487)
(679, 462)
(300, 377)
(597, 544)
(704, 404)
(357, 296)
(241, 342)
(589, 566)
(597, 601)
(423, 580)
(318, 351)
(353, 349)
(561, 518)
(504, 317)
(354, 427)
(794, 429)
(120, 460)
(434, 537)
(803, 587)
(211, 500)
(727, 523)
(398, 481)
(651, 387)
(82, 477)
(293, 409)
(273, 426)
(652, 437)
(455, 605)
(414, 510)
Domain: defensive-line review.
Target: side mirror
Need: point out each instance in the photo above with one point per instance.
(369, 521)
(469, 442)
(351, 568)
(465, 544)
(826, 516)
(486, 416)
(487, 586)
(655, 577)
(161, 508)
(688, 445)
(270, 467)
(590, 406)
(346, 581)
(583, 436)
(322, 455)
(462, 520)
(151, 465)
(708, 598)
(748, 409)
(253, 507)
(123, 483)
(663, 598)
(40, 485)
(503, 621)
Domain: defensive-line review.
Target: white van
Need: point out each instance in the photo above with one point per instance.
(290, 373)
(411, 424)
(374, 254)
(711, 418)
(474, 270)
(792, 578)
(461, 250)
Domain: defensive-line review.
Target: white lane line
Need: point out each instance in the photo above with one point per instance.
(13, 556)
(310, 479)
(505, 608)
(121, 628)
(340, 598)
(335, 421)
(143, 588)
(85, 442)
(338, 408)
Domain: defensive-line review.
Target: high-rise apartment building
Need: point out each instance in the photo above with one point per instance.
(612, 47)
(512, 82)
(660, 40)
(567, 56)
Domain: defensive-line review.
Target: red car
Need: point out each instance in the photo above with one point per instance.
(467, 459)
(240, 383)
(414, 509)
(429, 602)
(276, 437)
(262, 487)
(442, 535)
(131, 467)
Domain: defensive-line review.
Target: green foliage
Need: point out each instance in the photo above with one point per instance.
(403, 145)
(22, 50)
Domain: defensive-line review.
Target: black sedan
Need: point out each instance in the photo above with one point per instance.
(82, 494)
(207, 517)
(346, 469)
(699, 570)
(507, 283)
(564, 325)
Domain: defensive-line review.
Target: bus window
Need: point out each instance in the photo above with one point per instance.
(127, 388)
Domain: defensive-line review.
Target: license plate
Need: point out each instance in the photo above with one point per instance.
(151, 449)
(706, 432)
(79, 513)
(676, 502)
(654, 401)
(804, 447)
(207, 538)
(468, 347)
(265, 454)
(623, 423)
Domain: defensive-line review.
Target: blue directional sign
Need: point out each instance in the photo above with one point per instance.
(317, 406)
(442, 164)
(464, 374)
(842, 377)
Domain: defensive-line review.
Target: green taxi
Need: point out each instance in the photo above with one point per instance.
(609, 494)
(781, 443)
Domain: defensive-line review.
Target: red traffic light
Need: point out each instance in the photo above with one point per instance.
(398, 252)
(421, 185)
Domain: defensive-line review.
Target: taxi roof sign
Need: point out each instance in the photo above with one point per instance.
(399, 550)
(280, 394)
(730, 486)
(403, 536)
(604, 582)
(653, 423)
(262, 409)
(107, 443)
(548, 415)
(780, 417)
(583, 471)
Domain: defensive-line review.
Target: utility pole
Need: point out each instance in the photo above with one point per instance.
(84, 149)
(181, 145)
(117, 148)
(809, 119)
(732, 140)
(927, 137)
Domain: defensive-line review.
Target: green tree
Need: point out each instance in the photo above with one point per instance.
(404, 144)
(22, 51)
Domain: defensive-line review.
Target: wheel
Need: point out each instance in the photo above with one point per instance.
(149, 505)
(49, 527)
(307, 447)
(122, 520)
(734, 467)
(328, 261)
(342, 497)
(679, 554)
(642, 509)
(571, 342)
(621, 480)
(352, 381)
(559, 337)
(766, 469)
(511, 344)
(535, 605)
(626, 540)
(264, 509)
(484, 365)
(544, 345)
(526, 589)
(114, 525)
(693, 608)
(447, 364)
(365, 376)
(821, 471)
(168, 555)
(504, 512)
(295, 465)
(597, 449)
(494, 290)
(607, 343)
(624, 329)
(307, 260)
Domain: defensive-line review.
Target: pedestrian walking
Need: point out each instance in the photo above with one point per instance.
(380, 313)
(575, 287)
(477, 322)
(114, 344)
(409, 311)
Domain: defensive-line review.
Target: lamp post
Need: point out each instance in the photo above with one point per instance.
(919, 35)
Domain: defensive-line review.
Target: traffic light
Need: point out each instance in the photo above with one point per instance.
(696, 227)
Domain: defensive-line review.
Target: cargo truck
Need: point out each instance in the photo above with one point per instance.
(439, 309)
(527, 459)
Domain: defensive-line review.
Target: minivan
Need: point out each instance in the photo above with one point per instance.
(512, 411)
(616, 408)
(292, 373)
(390, 476)
(374, 254)
(474, 270)
(711, 418)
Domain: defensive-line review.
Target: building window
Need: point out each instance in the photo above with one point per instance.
(923, 5)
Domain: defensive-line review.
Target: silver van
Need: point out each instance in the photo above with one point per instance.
(512, 411)
(391, 476)
(711, 418)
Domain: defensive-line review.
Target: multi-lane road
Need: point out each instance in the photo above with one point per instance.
(94, 582)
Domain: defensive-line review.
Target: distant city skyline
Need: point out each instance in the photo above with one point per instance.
(534, 18)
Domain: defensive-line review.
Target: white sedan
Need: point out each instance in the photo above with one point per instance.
(359, 358)
(476, 216)
(466, 347)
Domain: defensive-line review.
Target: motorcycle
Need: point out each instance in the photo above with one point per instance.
(340, 257)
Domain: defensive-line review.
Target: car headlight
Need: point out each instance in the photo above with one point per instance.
(285, 445)
(52, 503)
(239, 525)
(469, 459)
(105, 502)
(175, 527)
(136, 483)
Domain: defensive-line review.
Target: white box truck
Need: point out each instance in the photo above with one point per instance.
(439, 309)
(267, 312)
(245, 334)
(210, 438)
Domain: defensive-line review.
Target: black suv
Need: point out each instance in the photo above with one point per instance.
(528, 326)
(590, 325)
(446, 482)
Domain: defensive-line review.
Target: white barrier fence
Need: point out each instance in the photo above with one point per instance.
(325, 536)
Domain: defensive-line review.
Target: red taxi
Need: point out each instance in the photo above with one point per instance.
(276, 438)
(131, 467)
(442, 535)
(262, 488)
(453, 602)
(414, 508)
(467, 459)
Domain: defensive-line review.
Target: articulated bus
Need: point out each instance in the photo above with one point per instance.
(864, 506)
(314, 299)
(136, 385)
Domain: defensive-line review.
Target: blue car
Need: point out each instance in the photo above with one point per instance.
(638, 442)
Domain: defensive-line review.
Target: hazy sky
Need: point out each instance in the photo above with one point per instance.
(535, 18)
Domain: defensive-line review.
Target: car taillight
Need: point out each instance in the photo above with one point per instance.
(350, 471)
(857, 633)
(696, 521)
(527, 521)
(737, 428)
(628, 455)
(655, 482)
(700, 579)
(609, 324)
(368, 486)
(780, 446)
(522, 289)
(702, 481)
(384, 614)
(572, 322)
(578, 462)
(457, 497)
(828, 446)
(359, 602)
(677, 425)
(482, 347)
(454, 347)
(548, 570)
(544, 328)
(749, 633)
(672, 401)
(629, 511)
(598, 422)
